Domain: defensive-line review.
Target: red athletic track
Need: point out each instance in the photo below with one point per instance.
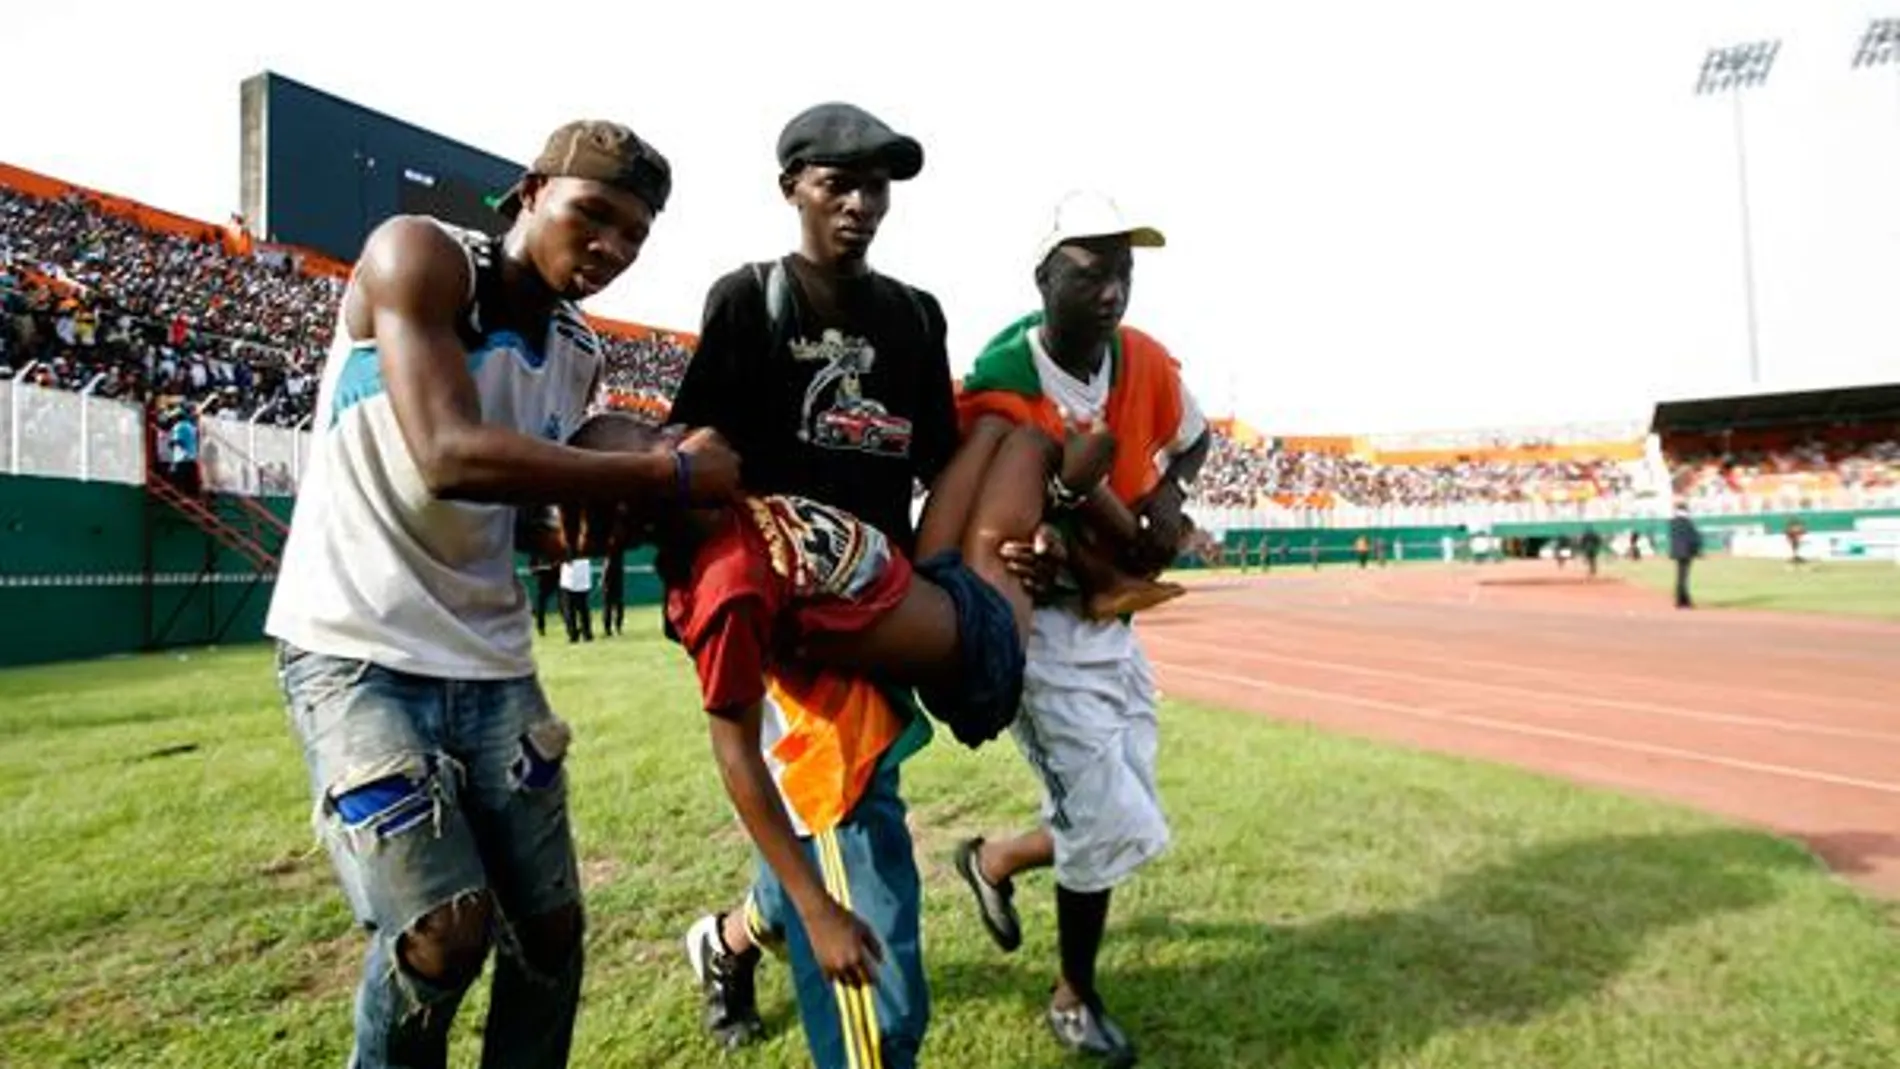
(1788, 721)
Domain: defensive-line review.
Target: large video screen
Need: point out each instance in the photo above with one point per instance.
(449, 198)
(321, 172)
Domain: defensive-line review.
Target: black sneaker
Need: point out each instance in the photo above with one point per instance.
(725, 984)
(994, 902)
(1086, 1029)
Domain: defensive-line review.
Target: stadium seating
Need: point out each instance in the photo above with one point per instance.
(184, 318)
(1249, 476)
(91, 296)
(1814, 469)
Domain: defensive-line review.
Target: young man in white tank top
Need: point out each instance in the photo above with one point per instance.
(460, 366)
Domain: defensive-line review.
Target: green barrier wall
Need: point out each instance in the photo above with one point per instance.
(1334, 545)
(1817, 522)
(72, 575)
(73, 566)
(1301, 547)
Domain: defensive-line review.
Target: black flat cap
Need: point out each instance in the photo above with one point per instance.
(843, 135)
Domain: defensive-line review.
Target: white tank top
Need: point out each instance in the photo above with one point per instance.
(378, 569)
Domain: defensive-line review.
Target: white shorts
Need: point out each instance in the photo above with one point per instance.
(1089, 731)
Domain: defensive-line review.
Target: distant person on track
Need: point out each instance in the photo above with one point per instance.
(1685, 545)
(1592, 545)
(1087, 723)
(613, 591)
(405, 655)
(1795, 532)
(577, 587)
(545, 570)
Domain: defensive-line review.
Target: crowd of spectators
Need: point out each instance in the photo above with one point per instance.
(645, 372)
(1248, 475)
(1241, 475)
(92, 298)
(1812, 467)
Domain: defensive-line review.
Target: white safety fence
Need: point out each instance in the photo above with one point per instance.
(1484, 516)
(1875, 539)
(64, 434)
(1600, 510)
(76, 435)
(245, 458)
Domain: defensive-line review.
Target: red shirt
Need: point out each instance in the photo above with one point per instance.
(778, 568)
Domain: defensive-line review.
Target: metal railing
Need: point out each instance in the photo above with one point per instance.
(249, 458)
(63, 434)
(1596, 510)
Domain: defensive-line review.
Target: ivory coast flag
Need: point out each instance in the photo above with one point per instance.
(1144, 410)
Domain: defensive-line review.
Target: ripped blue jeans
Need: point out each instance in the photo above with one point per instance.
(431, 793)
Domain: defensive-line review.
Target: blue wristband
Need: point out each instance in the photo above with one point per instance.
(683, 476)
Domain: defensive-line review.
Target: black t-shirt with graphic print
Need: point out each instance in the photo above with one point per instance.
(854, 406)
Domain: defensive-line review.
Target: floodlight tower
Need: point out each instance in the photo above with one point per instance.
(1880, 45)
(1732, 69)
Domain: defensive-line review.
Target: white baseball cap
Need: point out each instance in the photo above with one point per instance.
(1088, 214)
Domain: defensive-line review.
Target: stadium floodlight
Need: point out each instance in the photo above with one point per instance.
(1740, 66)
(1732, 69)
(1880, 45)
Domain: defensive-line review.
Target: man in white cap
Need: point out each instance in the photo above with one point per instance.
(1087, 724)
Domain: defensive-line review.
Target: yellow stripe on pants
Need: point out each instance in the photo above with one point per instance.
(857, 1011)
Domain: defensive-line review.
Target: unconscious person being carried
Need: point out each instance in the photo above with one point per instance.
(781, 578)
(810, 631)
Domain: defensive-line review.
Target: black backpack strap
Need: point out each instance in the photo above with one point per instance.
(781, 310)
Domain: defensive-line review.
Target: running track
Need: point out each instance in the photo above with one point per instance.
(1789, 722)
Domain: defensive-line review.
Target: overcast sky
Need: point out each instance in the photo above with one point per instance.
(1381, 215)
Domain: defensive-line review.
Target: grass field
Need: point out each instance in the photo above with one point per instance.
(1856, 588)
(1853, 588)
(1327, 903)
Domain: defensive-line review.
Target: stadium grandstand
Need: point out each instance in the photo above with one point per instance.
(120, 301)
(178, 359)
(157, 375)
(1837, 448)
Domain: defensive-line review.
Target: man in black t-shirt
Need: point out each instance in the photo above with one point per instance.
(831, 381)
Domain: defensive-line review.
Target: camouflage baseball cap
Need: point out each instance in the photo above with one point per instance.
(603, 151)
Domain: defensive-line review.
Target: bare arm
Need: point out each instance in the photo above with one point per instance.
(1186, 466)
(1163, 523)
(1149, 549)
(845, 948)
(413, 281)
